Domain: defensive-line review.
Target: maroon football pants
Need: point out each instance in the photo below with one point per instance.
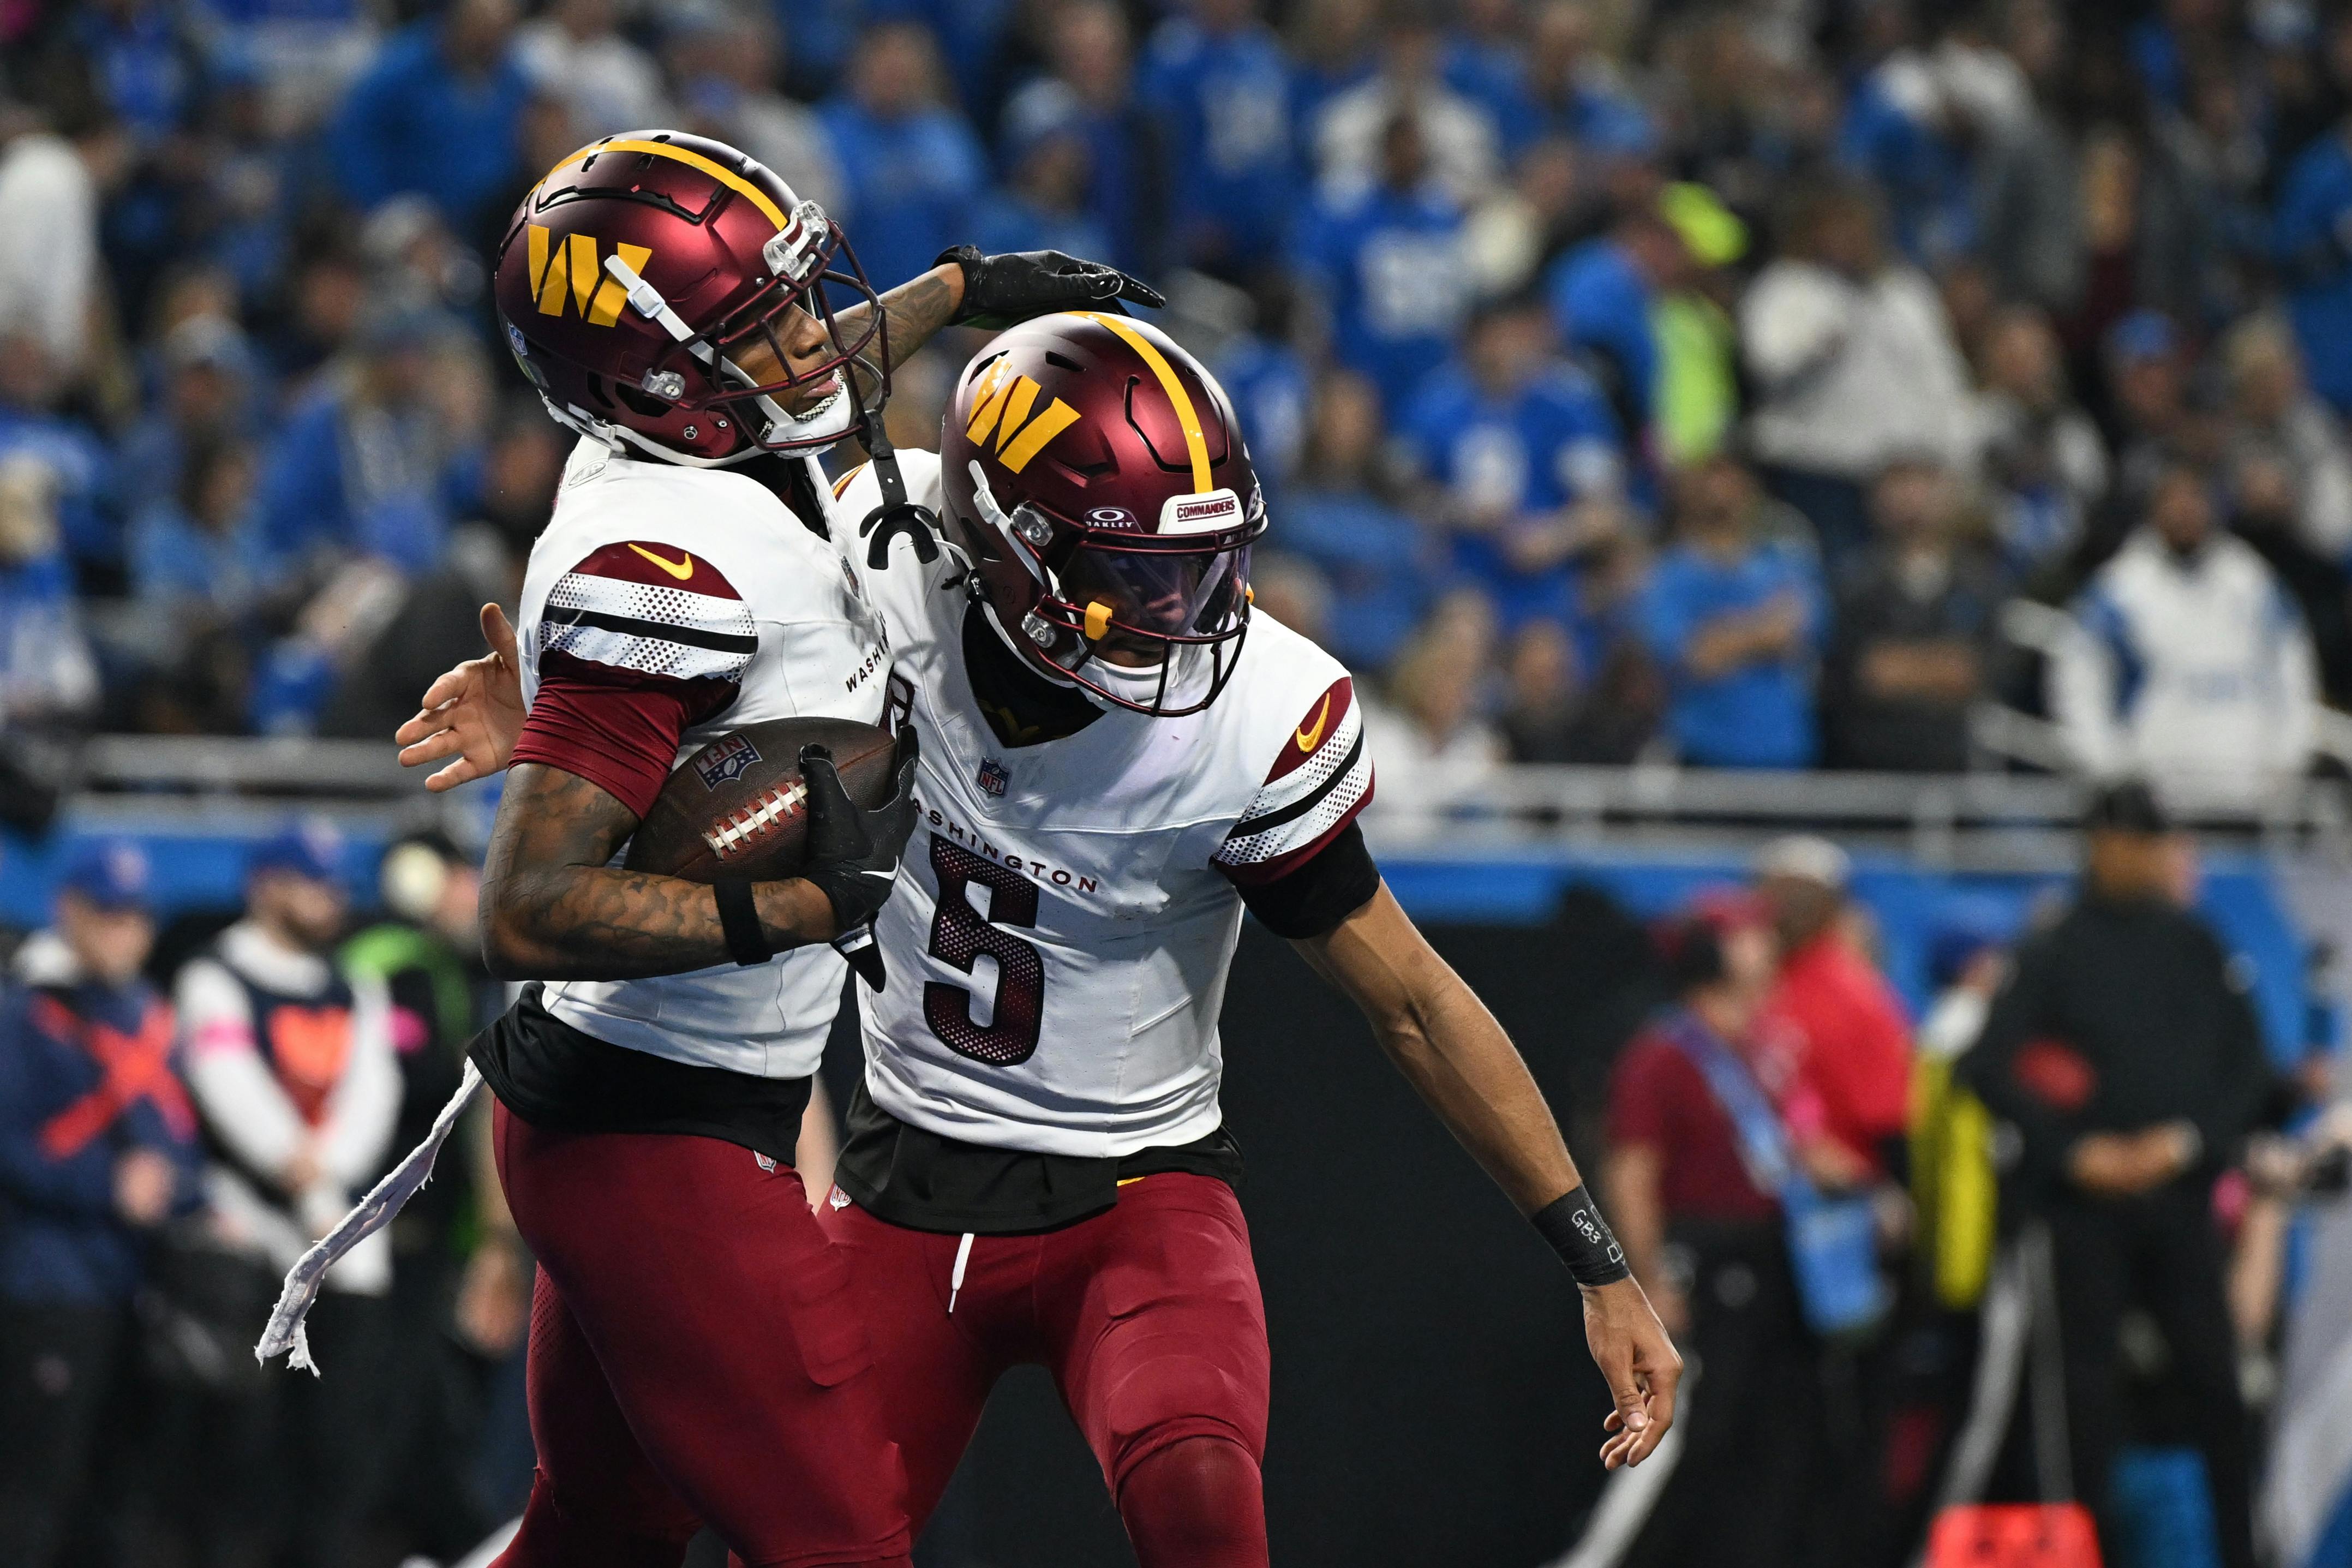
(696, 1357)
(1148, 1316)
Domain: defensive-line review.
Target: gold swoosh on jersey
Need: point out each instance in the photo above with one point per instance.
(1309, 738)
(679, 569)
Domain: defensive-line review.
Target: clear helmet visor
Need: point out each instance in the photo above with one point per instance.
(1173, 595)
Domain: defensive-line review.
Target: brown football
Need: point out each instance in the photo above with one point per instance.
(737, 807)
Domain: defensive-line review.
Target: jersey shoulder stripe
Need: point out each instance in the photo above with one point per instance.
(649, 610)
(1321, 778)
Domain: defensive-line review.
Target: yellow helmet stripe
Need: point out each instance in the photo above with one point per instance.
(688, 155)
(1196, 445)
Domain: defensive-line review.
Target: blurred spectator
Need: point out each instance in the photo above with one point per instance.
(1267, 378)
(207, 395)
(1854, 362)
(1736, 622)
(1837, 1046)
(1696, 401)
(200, 573)
(912, 164)
(576, 53)
(1353, 135)
(1042, 205)
(1705, 1237)
(1090, 91)
(2041, 452)
(1560, 712)
(1381, 566)
(1528, 464)
(48, 675)
(1388, 259)
(2030, 223)
(1485, 62)
(2125, 1051)
(1431, 736)
(53, 177)
(2148, 367)
(2277, 423)
(1573, 89)
(1334, 45)
(97, 1150)
(1915, 628)
(726, 62)
(2190, 662)
(1216, 76)
(69, 455)
(437, 113)
(292, 1064)
(377, 456)
(197, 557)
(1605, 295)
(2313, 221)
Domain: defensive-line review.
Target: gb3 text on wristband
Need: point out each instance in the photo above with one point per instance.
(1573, 1225)
(739, 922)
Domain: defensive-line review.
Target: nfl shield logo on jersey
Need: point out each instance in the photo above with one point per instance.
(725, 760)
(993, 776)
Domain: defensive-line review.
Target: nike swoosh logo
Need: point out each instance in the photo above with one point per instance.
(680, 568)
(886, 876)
(1309, 738)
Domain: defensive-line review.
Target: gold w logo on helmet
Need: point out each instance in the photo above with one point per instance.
(1005, 401)
(566, 266)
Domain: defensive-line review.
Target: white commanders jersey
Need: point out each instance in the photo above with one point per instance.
(1065, 915)
(650, 573)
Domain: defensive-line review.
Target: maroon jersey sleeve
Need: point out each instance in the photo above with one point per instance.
(637, 642)
(1319, 783)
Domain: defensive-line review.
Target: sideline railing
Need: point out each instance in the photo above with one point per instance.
(1987, 817)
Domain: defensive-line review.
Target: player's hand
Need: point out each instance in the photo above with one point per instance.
(1641, 1365)
(999, 291)
(473, 713)
(853, 853)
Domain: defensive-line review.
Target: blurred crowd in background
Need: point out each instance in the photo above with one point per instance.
(1680, 380)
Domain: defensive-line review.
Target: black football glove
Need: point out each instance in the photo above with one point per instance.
(999, 291)
(852, 854)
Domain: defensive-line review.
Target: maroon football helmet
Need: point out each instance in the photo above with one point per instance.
(1096, 475)
(639, 273)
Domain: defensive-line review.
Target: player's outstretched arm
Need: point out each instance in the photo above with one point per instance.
(913, 313)
(553, 909)
(1459, 1059)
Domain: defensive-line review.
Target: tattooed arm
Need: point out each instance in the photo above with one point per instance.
(912, 313)
(553, 909)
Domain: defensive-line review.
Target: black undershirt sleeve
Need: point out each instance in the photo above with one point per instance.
(1312, 900)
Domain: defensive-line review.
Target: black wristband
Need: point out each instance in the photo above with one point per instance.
(1573, 1225)
(739, 921)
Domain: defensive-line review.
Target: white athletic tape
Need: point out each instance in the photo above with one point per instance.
(285, 1333)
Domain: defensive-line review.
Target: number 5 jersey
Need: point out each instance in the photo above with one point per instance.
(1068, 910)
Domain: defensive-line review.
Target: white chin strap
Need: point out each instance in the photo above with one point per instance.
(821, 427)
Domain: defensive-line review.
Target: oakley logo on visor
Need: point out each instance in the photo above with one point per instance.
(1211, 513)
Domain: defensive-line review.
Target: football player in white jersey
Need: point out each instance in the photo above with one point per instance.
(1119, 756)
(696, 1355)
